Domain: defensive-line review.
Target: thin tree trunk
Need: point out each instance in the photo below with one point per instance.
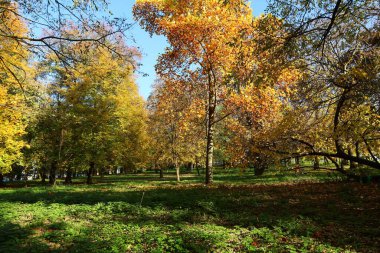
(210, 132)
(161, 172)
(197, 168)
(102, 172)
(1, 179)
(69, 175)
(90, 172)
(357, 149)
(177, 171)
(53, 170)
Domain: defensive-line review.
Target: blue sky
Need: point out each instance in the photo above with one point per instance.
(152, 47)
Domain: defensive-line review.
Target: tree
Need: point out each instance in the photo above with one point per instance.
(176, 125)
(13, 63)
(201, 36)
(91, 108)
(338, 98)
(52, 17)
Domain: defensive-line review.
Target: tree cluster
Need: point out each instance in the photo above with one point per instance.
(300, 81)
(69, 101)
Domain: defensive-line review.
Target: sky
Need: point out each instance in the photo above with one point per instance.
(152, 47)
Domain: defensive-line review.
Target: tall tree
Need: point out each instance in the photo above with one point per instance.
(13, 71)
(338, 98)
(176, 126)
(201, 36)
(98, 111)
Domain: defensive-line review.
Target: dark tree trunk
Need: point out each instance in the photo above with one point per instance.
(260, 165)
(61, 173)
(102, 172)
(69, 175)
(90, 172)
(297, 158)
(357, 149)
(43, 175)
(1, 179)
(161, 173)
(259, 170)
(53, 170)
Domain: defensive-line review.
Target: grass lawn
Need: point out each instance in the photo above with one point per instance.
(277, 212)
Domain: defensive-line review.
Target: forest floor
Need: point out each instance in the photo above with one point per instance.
(276, 212)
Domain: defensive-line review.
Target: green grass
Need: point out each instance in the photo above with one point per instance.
(277, 212)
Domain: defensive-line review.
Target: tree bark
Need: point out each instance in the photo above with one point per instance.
(1, 179)
(53, 170)
(161, 172)
(210, 131)
(90, 172)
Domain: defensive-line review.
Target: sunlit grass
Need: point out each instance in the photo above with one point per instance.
(276, 212)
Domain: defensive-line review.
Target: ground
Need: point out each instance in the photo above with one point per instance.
(276, 212)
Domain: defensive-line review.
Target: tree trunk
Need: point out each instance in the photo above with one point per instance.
(297, 160)
(177, 171)
(1, 179)
(209, 154)
(353, 165)
(102, 172)
(43, 175)
(210, 126)
(53, 170)
(90, 172)
(316, 163)
(161, 172)
(357, 149)
(69, 175)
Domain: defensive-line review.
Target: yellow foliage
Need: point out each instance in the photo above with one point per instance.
(13, 71)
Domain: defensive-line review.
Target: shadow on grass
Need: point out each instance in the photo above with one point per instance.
(337, 213)
(14, 238)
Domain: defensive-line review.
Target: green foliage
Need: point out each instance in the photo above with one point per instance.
(92, 113)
